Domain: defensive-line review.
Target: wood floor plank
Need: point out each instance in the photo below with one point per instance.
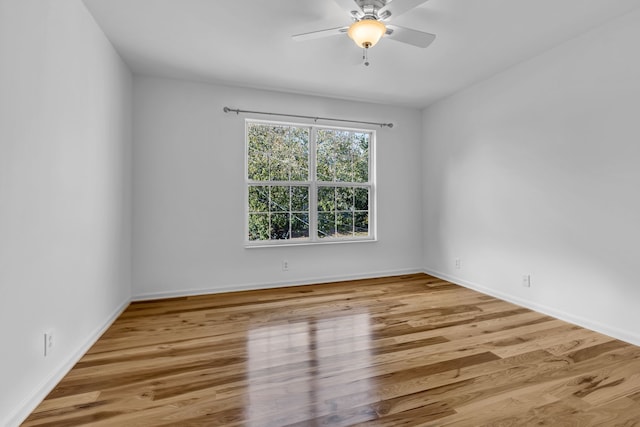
(408, 350)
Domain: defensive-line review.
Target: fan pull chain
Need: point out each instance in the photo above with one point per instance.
(365, 56)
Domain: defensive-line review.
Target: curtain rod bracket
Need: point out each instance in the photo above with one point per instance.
(314, 118)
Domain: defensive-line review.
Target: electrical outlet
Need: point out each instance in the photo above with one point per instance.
(526, 280)
(48, 343)
(285, 265)
(458, 264)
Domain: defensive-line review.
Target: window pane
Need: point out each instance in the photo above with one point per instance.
(298, 143)
(344, 224)
(299, 168)
(344, 199)
(361, 199)
(344, 165)
(258, 166)
(328, 152)
(361, 170)
(360, 153)
(361, 223)
(278, 169)
(300, 199)
(325, 157)
(279, 199)
(326, 199)
(299, 225)
(258, 138)
(258, 226)
(342, 156)
(258, 199)
(279, 226)
(326, 224)
(258, 147)
(278, 153)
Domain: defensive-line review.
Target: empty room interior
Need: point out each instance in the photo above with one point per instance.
(339, 212)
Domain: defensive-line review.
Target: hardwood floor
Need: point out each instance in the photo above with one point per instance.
(401, 351)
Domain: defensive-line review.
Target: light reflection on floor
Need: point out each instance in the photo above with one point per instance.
(292, 367)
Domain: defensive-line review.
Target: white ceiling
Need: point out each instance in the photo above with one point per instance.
(248, 43)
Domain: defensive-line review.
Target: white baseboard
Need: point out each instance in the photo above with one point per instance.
(271, 285)
(623, 335)
(31, 402)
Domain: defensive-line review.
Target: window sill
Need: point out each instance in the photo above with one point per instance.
(253, 245)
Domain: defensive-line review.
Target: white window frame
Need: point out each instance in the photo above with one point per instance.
(313, 185)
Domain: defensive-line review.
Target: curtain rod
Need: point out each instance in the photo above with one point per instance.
(238, 111)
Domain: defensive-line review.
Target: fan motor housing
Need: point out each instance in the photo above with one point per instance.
(371, 8)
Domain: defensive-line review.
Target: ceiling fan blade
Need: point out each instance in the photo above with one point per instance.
(409, 36)
(350, 6)
(321, 33)
(398, 7)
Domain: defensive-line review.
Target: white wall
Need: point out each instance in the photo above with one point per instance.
(65, 132)
(536, 171)
(189, 193)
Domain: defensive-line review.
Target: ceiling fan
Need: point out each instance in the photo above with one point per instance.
(369, 24)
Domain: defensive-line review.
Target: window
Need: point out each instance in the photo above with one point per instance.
(308, 184)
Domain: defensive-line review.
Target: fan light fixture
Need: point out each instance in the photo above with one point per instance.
(366, 32)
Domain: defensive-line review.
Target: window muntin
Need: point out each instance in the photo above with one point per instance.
(308, 184)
